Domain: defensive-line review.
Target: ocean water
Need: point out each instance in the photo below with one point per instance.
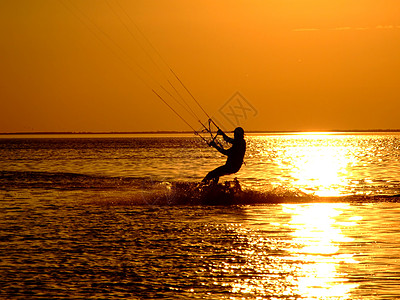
(115, 216)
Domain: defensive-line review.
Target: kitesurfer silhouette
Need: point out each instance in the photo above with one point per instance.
(235, 155)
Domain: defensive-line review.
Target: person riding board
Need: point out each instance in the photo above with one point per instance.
(235, 155)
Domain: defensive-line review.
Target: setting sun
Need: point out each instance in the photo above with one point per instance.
(322, 168)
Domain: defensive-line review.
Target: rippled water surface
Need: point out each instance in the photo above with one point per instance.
(318, 164)
(70, 226)
(290, 251)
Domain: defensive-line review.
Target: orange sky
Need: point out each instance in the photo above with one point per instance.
(72, 65)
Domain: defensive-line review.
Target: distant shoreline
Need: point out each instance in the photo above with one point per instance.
(191, 132)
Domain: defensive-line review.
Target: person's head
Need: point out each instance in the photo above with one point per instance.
(238, 133)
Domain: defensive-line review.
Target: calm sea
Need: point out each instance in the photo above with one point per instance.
(91, 216)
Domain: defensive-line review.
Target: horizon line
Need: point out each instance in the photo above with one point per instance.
(190, 132)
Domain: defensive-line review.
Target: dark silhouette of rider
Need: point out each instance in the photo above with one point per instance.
(235, 155)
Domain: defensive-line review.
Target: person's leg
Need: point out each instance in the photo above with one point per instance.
(216, 174)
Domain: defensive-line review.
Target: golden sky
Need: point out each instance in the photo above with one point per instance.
(82, 65)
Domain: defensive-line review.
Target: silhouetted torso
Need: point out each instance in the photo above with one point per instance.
(236, 154)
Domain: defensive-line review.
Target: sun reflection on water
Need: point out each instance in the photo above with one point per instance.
(321, 165)
(317, 238)
(321, 169)
(294, 254)
(314, 163)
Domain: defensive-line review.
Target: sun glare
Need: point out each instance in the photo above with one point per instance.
(319, 166)
(321, 169)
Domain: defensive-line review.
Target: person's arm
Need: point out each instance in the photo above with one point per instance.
(226, 138)
(220, 149)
